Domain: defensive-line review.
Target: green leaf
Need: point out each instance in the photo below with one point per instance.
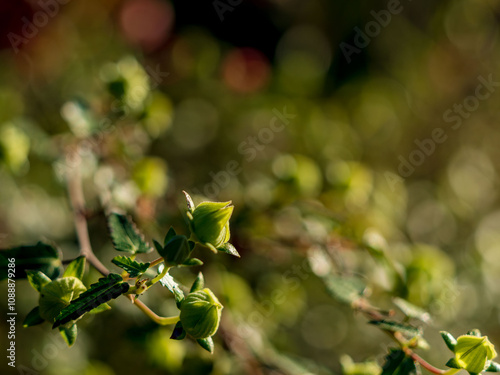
(179, 333)
(229, 249)
(453, 363)
(33, 318)
(100, 309)
(406, 329)
(450, 341)
(125, 235)
(494, 367)
(398, 363)
(171, 233)
(207, 344)
(168, 282)
(198, 283)
(69, 334)
(176, 251)
(76, 268)
(58, 294)
(37, 279)
(344, 289)
(192, 262)
(412, 311)
(158, 246)
(40, 257)
(131, 266)
(106, 289)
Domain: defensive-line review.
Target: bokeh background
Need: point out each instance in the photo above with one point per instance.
(256, 101)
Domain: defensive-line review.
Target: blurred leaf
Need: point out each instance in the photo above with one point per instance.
(494, 367)
(40, 257)
(450, 341)
(398, 363)
(171, 233)
(106, 289)
(405, 329)
(131, 266)
(168, 282)
(33, 318)
(125, 235)
(412, 311)
(76, 268)
(344, 289)
(37, 279)
(69, 334)
(150, 176)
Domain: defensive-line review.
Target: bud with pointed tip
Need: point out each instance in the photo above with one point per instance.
(474, 353)
(201, 313)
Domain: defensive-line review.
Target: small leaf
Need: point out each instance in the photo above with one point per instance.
(344, 289)
(192, 262)
(57, 295)
(406, 329)
(37, 279)
(76, 268)
(189, 201)
(69, 334)
(398, 363)
(125, 235)
(33, 318)
(494, 367)
(198, 283)
(40, 257)
(474, 332)
(229, 249)
(158, 246)
(169, 282)
(176, 251)
(449, 340)
(168, 237)
(178, 333)
(106, 289)
(131, 266)
(207, 344)
(412, 311)
(100, 309)
(453, 363)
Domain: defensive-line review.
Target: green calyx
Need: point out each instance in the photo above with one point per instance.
(201, 313)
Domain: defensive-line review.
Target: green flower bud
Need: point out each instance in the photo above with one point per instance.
(201, 313)
(209, 223)
(473, 353)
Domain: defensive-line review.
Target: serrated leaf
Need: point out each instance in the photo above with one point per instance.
(40, 257)
(76, 268)
(192, 262)
(229, 249)
(37, 279)
(69, 334)
(179, 333)
(33, 318)
(412, 311)
(398, 363)
(207, 344)
(344, 289)
(171, 233)
(100, 309)
(406, 329)
(125, 235)
(168, 282)
(106, 289)
(131, 266)
(57, 295)
(452, 363)
(198, 283)
(450, 341)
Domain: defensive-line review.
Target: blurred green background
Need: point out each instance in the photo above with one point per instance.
(257, 102)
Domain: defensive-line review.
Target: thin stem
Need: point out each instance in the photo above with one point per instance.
(158, 277)
(156, 262)
(164, 321)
